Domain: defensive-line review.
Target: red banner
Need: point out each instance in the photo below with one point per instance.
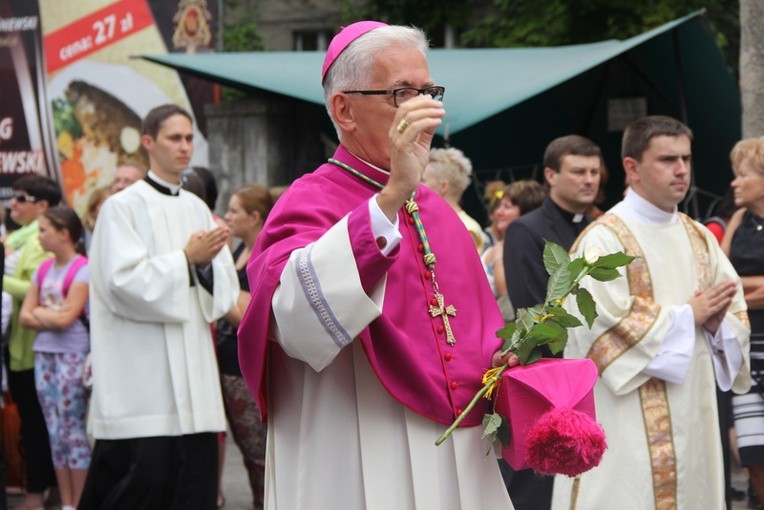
(95, 31)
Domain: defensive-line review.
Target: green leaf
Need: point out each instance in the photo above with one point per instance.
(511, 341)
(533, 357)
(586, 306)
(555, 256)
(524, 319)
(491, 423)
(544, 332)
(537, 311)
(613, 260)
(563, 318)
(559, 282)
(507, 331)
(523, 349)
(576, 265)
(604, 274)
(495, 427)
(558, 345)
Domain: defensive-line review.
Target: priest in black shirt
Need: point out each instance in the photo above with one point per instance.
(572, 170)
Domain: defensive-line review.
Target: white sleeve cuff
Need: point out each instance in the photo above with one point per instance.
(382, 227)
(673, 359)
(320, 291)
(726, 355)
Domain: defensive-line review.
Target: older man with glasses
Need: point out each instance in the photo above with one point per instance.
(371, 320)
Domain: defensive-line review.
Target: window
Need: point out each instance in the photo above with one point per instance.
(312, 40)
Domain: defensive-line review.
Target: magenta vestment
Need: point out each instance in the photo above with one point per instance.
(405, 346)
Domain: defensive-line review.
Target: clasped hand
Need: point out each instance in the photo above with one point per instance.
(710, 305)
(204, 245)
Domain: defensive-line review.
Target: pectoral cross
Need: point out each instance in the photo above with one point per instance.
(444, 311)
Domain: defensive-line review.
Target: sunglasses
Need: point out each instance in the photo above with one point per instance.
(23, 198)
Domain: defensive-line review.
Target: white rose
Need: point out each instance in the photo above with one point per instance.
(591, 254)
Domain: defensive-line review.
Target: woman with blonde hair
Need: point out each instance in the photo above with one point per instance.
(448, 173)
(518, 198)
(96, 199)
(744, 245)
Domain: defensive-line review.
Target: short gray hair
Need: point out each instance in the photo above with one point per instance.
(453, 166)
(352, 68)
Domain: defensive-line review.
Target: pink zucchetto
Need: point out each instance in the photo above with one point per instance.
(347, 35)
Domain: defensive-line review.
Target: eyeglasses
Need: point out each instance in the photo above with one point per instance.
(400, 96)
(23, 198)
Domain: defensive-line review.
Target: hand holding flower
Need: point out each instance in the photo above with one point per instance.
(505, 358)
(545, 324)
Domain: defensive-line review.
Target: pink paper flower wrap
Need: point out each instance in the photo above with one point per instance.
(549, 406)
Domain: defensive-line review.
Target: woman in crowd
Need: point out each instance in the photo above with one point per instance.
(247, 210)
(55, 307)
(517, 198)
(744, 244)
(492, 195)
(448, 173)
(95, 201)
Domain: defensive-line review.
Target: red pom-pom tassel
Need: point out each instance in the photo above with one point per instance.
(565, 441)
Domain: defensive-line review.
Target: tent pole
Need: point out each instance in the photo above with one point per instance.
(650, 83)
(680, 77)
(691, 201)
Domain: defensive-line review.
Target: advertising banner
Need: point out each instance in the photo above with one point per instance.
(79, 94)
(23, 147)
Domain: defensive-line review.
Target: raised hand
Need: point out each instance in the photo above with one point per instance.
(410, 135)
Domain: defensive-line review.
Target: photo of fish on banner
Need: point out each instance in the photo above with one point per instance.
(543, 409)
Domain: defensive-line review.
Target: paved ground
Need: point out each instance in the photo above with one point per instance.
(235, 485)
(740, 482)
(239, 497)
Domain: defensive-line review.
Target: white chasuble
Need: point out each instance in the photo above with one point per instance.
(664, 442)
(154, 368)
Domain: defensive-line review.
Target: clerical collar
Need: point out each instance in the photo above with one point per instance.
(569, 216)
(374, 172)
(637, 208)
(162, 186)
(375, 167)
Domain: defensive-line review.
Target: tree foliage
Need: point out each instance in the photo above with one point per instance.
(240, 27)
(509, 23)
(432, 16)
(239, 35)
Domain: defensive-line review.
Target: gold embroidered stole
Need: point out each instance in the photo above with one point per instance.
(627, 333)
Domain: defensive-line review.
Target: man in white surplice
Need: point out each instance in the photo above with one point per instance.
(161, 271)
(358, 345)
(664, 338)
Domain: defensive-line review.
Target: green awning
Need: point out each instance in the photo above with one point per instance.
(479, 82)
(504, 105)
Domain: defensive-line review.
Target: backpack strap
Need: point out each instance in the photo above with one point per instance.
(44, 268)
(79, 261)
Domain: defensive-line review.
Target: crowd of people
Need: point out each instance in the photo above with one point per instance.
(96, 309)
(338, 329)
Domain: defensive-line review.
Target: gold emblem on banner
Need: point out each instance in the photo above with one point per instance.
(192, 25)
